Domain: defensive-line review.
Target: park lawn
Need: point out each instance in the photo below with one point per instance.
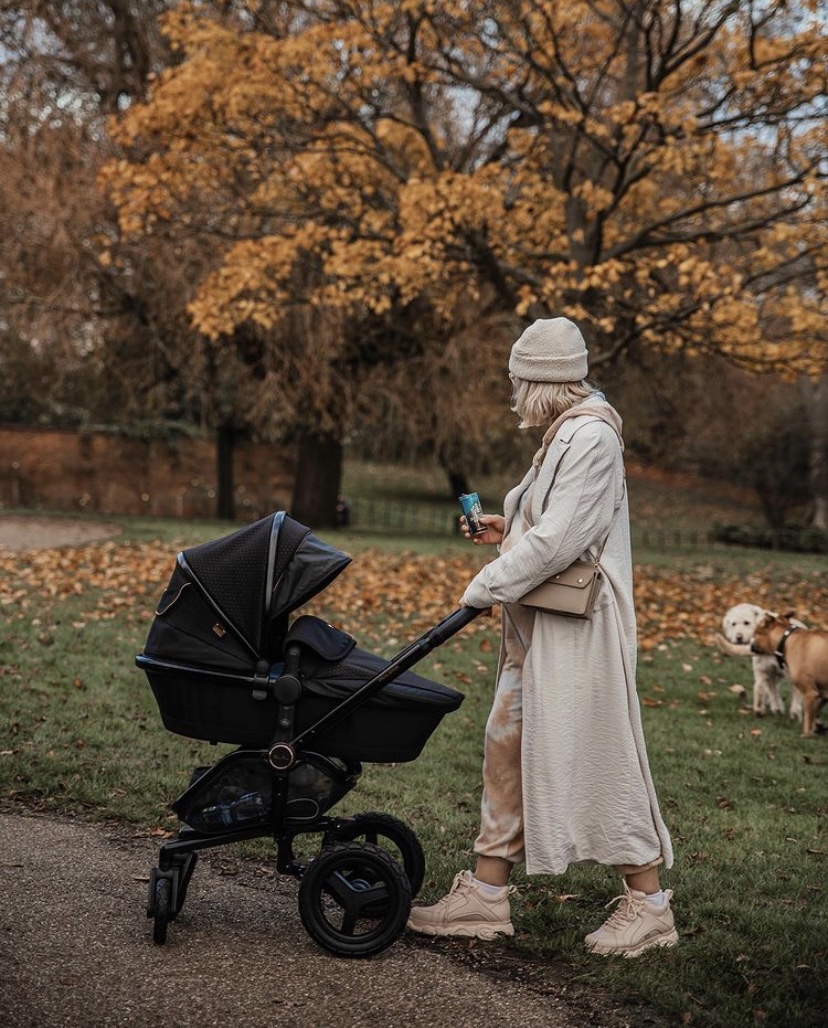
(744, 798)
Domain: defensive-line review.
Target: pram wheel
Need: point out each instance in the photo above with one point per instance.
(167, 891)
(161, 908)
(354, 899)
(379, 829)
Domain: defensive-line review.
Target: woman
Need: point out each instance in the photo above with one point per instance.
(565, 775)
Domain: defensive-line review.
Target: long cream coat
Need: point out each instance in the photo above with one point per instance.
(588, 795)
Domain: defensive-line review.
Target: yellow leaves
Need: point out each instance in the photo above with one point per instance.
(448, 203)
(597, 197)
(767, 50)
(603, 276)
(118, 577)
(563, 115)
(695, 273)
(624, 113)
(381, 595)
(311, 149)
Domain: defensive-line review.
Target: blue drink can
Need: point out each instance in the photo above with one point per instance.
(472, 508)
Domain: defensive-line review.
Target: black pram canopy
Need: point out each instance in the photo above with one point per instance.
(221, 633)
(228, 600)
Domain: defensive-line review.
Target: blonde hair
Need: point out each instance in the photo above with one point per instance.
(540, 403)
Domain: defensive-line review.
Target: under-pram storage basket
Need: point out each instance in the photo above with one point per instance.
(391, 726)
(238, 791)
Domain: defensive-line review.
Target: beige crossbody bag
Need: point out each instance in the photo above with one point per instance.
(570, 592)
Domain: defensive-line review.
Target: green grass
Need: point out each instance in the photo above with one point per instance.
(666, 510)
(745, 799)
(746, 804)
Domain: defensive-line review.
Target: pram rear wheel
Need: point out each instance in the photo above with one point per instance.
(161, 913)
(354, 899)
(381, 829)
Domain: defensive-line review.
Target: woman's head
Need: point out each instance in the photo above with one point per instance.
(548, 368)
(539, 403)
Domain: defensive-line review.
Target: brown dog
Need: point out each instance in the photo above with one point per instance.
(804, 652)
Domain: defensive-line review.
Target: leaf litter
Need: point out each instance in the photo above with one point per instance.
(386, 597)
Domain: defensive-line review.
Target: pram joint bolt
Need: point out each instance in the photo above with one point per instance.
(281, 756)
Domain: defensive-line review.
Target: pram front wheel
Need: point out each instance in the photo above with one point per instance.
(354, 899)
(161, 908)
(168, 890)
(381, 829)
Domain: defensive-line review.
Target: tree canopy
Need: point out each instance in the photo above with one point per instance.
(360, 203)
(652, 168)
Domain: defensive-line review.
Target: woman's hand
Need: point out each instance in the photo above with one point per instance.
(495, 525)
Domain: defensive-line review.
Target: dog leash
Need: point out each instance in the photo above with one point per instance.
(779, 652)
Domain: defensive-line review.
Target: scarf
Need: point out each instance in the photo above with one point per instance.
(594, 407)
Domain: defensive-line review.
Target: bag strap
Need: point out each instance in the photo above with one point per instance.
(597, 561)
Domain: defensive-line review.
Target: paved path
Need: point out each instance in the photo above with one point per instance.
(76, 952)
(33, 532)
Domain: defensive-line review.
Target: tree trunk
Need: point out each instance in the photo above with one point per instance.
(816, 399)
(225, 454)
(457, 480)
(773, 510)
(451, 462)
(318, 480)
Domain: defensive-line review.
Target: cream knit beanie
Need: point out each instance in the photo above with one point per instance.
(550, 350)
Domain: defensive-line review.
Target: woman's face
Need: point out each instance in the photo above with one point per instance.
(513, 391)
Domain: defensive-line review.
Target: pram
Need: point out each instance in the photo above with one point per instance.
(305, 706)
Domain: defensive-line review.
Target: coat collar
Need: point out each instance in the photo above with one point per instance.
(595, 408)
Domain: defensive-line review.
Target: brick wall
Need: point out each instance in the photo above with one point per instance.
(111, 474)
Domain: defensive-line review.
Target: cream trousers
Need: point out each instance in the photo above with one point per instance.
(501, 808)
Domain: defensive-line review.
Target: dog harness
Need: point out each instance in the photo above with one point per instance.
(779, 652)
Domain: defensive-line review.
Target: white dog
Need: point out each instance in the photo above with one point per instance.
(737, 628)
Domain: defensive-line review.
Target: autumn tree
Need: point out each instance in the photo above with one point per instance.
(63, 68)
(94, 327)
(653, 169)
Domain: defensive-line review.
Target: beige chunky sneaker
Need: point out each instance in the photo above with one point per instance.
(466, 911)
(635, 925)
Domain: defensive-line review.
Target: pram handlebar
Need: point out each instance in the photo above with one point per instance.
(407, 658)
(443, 630)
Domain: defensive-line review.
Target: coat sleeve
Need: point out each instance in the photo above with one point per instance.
(576, 518)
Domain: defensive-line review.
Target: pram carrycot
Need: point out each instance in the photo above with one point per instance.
(306, 706)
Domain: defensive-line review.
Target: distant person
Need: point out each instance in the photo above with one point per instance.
(343, 512)
(566, 778)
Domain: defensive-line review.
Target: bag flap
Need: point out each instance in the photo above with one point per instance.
(327, 642)
(577, 576)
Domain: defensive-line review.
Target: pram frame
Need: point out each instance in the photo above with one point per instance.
(390, 885)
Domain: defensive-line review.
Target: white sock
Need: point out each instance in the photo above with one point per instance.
(658, 899)
(489, 890)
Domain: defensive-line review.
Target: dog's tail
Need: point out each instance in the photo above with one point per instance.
(733, 649)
